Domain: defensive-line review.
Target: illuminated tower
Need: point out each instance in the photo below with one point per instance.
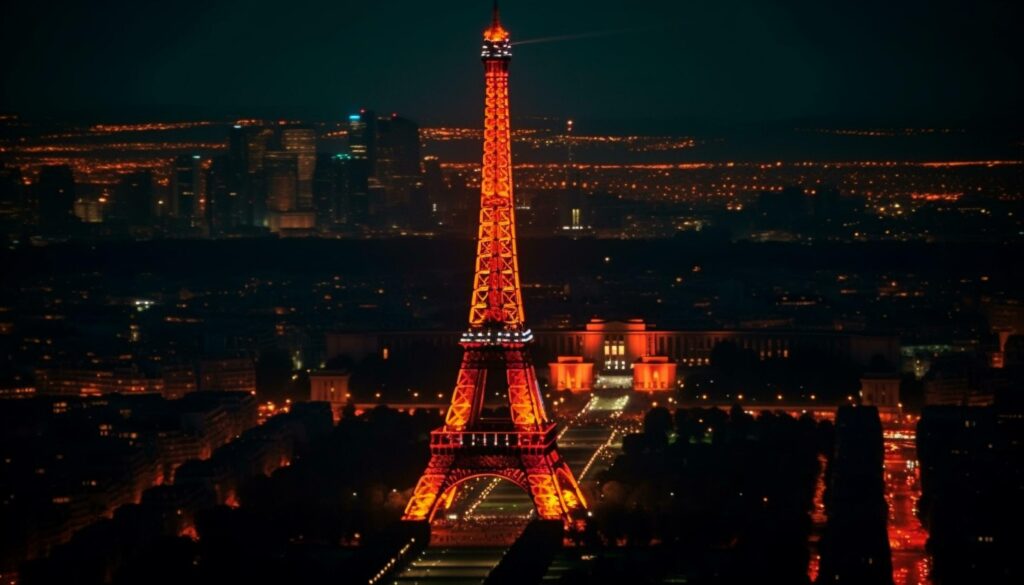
(520, 447)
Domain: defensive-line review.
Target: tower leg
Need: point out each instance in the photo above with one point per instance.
(556, 495)
(572, 497)
(544, 491)
(524, 399)
(428, 489)
(447, 498)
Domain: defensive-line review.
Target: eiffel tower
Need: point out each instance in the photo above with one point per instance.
(521, 448)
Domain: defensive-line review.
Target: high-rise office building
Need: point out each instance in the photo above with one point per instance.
(235, 189)
(222, 199)
(258, 139)
(398, 170)
(302, 142)
(438, 194)
(385, 180)
(55, 196)
(282, 179)
(332, 190)
(362, 147)
(12, 192)
(133, 201)
(362, 139)
(188, 190)
(398, 147)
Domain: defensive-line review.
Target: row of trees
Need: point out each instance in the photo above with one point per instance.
(710, 496)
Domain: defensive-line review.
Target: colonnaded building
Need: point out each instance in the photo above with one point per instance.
(630, 353)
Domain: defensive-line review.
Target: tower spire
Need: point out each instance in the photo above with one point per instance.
(496, 33)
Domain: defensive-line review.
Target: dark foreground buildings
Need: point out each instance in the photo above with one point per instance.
(972, 488)
(70, 460)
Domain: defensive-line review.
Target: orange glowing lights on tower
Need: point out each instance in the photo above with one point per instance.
(495, 33)
(522, 448)
(496, 296)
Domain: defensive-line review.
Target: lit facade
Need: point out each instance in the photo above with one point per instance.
(231, 374)
(188, 188)
(284, 221)
(302, 142)
(171, 382)
(880, 390)
(282, 176)
(654, 374)
(330, 386)
(571, 373)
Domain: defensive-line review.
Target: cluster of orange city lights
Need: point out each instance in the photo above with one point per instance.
(884, 132)
(112, 147)
(951, 197)
(535, 138)
(146, 127)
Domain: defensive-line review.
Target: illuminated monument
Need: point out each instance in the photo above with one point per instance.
(520, 447)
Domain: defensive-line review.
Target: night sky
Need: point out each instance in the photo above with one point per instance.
(727, 60)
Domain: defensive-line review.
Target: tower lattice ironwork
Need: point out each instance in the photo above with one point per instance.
(522, 447)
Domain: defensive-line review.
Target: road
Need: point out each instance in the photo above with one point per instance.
(910, 562)
(907, 538)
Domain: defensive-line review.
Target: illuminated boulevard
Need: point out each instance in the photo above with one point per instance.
(910, 562)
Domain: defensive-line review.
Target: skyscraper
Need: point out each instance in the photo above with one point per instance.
(235, 189)
(188, 190)
(302, 142)
(398, 170)
(282, 179)
(55, 196)
(133, 200)
(258, 140)
(282, 172)
(398, 147)
(332, 190)
(438, 194)
(12, 193)
(222, 200)
(362, 139)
